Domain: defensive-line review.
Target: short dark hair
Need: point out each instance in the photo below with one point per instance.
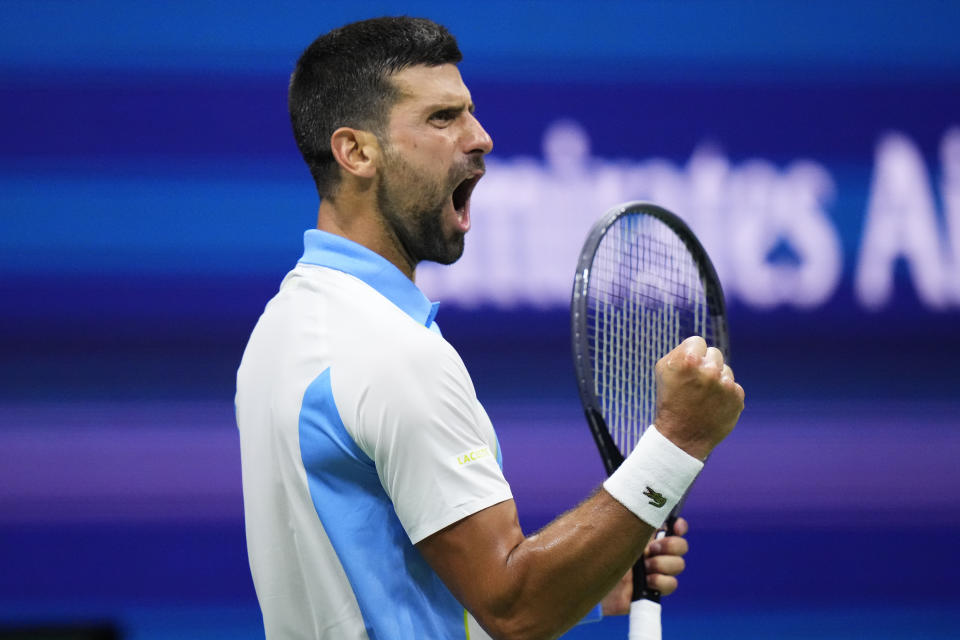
(342, 80)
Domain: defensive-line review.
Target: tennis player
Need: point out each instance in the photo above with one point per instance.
(374, 500)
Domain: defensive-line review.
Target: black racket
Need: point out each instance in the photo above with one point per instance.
(643, 284)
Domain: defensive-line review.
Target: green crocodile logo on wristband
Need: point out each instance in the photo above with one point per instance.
(656, 499)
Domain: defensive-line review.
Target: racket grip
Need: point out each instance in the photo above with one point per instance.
(640, 589)
(644, 620)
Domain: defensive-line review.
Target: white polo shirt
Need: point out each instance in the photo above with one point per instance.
(361, 434)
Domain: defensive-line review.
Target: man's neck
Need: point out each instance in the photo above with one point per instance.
(359, 221)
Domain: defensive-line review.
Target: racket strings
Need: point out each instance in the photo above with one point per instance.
(646, 296)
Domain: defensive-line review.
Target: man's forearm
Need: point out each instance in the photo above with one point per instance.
(540, 585)
(564, 570)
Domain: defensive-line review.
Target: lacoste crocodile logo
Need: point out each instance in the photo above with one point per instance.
(656, 499)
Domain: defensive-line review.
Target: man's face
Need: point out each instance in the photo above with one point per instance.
(432, 158)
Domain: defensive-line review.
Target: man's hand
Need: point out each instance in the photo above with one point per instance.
(664, 561)
(698, 401)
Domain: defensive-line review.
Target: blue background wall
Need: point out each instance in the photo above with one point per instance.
(151, 199)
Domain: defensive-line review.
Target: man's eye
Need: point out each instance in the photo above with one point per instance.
(443, 117)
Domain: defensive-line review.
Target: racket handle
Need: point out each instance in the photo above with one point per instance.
(640, 589)
(644, 620)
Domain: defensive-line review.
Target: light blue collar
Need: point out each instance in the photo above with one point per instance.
(336, 252)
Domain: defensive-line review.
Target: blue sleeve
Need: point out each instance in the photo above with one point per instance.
(595, 615)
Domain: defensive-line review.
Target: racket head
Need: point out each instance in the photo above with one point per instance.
(643, 284)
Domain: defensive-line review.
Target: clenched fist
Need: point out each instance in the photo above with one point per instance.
(698, 401)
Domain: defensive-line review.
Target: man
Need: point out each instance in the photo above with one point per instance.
(374, 501)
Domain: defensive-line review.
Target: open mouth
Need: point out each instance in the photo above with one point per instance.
(461, 195)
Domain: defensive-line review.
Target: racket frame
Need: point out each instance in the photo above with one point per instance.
(716, 307)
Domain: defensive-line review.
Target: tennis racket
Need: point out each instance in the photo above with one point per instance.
(643, 284)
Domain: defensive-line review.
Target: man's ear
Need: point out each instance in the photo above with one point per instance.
(356, 150)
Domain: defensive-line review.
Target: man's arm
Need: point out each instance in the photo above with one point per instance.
(536, 586)
(539, 586)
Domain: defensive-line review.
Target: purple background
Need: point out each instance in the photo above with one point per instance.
(151, 200)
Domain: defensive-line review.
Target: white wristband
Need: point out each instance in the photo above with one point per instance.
(653, 478)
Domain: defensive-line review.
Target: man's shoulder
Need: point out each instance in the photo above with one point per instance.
(361, 320)
(345, 293)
